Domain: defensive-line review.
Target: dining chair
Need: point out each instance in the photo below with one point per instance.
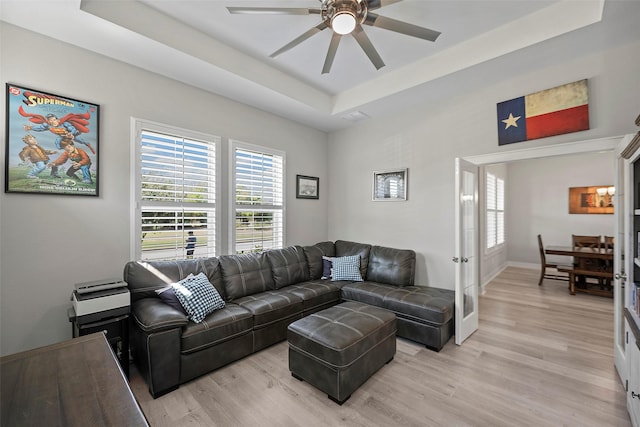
(594, 242)
(585, 241)
(544, 264)
(607, 242)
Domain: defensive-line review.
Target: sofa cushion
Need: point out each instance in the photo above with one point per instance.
(346, 268)
(219, 326)
(245, 274)
(288, 266)
(198, 297)
(314, 256)
(392, 266)
(421, 303)
(366, 292)
(145, 277)
(271, 306)
(345, 248)
(315, 293)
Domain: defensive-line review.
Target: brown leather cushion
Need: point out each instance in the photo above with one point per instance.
(315, 293)
(346, 248)
(245, 274)
(219, 326)
(314, 257)
(145, 277)
(422, 303)
(341, 334)
(288, 266)
(271, 306)
(392, 266)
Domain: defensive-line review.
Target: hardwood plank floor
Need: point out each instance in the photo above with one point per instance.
(540, 358)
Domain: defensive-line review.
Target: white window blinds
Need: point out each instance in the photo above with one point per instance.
(177, 195)
(259, 198)
(495, 211)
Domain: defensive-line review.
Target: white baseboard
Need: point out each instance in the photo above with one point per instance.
(528, 265)
(493, 276)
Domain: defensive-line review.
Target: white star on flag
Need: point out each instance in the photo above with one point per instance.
(511, 121)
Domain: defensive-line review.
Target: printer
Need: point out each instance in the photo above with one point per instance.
(100, 299)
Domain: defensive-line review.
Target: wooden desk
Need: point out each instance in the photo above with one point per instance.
(584, 268)
(73, 383)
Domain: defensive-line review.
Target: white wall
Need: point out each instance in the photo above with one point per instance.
(49, 243)
(541, 205)
(428, 137)
(41, 258)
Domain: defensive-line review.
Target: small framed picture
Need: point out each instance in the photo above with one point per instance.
(390, 185)
(307, 187)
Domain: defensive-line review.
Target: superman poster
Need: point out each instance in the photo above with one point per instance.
(52, 143)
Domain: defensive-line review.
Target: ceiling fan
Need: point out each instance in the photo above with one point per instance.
(344, 17)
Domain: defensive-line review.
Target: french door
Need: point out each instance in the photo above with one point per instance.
(466, 248)
(623, 248)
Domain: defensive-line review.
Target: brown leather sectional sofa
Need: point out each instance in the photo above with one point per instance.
(264, 292)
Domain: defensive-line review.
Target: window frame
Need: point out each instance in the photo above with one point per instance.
(497, 245)
(233, 146)
(137, 204)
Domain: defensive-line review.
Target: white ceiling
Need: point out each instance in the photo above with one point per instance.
(200, 43)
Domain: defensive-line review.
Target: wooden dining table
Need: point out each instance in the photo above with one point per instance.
(584, 267)
(597, 253)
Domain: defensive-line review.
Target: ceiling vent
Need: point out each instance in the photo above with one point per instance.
(355, 116)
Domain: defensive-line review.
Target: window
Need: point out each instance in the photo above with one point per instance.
(258, 202)
(175, 193)
(495, 211)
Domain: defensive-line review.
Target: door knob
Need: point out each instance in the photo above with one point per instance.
(455, 259)
(619, 276)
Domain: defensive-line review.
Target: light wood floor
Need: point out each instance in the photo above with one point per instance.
(540, 358)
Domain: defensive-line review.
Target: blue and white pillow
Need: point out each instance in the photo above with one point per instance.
(198, 297)
(346, 268)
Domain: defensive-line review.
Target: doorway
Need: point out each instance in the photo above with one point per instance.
(589, 146)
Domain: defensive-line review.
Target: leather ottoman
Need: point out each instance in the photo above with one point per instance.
(337, 349)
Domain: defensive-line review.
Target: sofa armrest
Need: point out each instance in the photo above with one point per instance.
(152, 315)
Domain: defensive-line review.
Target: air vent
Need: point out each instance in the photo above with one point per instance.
(355, 116)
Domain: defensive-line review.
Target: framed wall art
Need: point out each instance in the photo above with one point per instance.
(556, 111)
(390, 185)
(52, 143)
(591, 200)
(307, 187)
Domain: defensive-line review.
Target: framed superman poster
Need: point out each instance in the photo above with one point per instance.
(52, 143)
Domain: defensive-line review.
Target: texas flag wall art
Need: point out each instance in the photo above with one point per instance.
(556, 111)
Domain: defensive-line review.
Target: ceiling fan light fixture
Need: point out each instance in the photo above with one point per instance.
(343, 22)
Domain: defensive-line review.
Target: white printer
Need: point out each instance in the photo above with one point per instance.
(100, 299)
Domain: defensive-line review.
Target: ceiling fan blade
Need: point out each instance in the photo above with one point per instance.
(401, 27)
(377, 4)
(365, 44)
(274, 10)
(313, 31)
(333, 48)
